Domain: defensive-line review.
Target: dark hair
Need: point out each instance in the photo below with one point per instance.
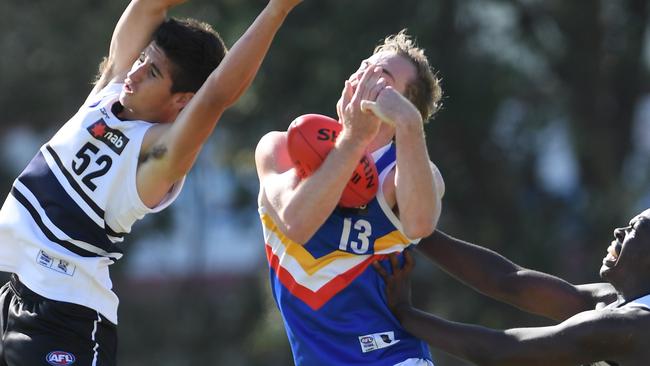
(424, 91)
(194, 49)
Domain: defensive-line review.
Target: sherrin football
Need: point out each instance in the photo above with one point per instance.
(310, 138)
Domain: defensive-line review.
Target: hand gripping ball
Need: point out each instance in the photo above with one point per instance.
(310, 138)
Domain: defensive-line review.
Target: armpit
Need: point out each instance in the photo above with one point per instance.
(156, 152)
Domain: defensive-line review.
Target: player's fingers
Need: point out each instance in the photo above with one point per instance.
(382, 272)
(347, 93)
(365, 82)
(371, 90)
(362, 68)
(409, 261)
(368, 106)
(394, 263)
(374, 90)
(373, 107)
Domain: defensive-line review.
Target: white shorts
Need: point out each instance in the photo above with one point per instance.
(415, 362)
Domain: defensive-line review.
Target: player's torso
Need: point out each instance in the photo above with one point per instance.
(641, 356)
(62, 224)
(94, 157)
(331, 299)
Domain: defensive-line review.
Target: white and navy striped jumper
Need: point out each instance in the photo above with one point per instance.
(65, 218)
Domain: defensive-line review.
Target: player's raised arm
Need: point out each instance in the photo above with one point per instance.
(494, 275)
(174, 147)
(411, 97)
(418, 184)
(130, 36)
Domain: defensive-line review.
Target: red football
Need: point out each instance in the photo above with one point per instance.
(310, 139)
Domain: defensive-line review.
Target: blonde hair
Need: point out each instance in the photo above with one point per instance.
(424, 91)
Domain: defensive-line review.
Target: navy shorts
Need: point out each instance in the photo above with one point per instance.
(37, 331)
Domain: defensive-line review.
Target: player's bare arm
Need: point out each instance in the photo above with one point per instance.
(131, 35)
(494, 275)
(300, 209)
(174, 147)
(585, 338)
(610, 334)
(416, 188)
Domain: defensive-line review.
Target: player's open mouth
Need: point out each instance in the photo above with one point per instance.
(613, 251)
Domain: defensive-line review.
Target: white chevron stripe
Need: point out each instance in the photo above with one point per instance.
(321, 277)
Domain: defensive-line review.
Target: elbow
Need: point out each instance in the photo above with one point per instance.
(419, 229)
(295, 229)
(507, 288)
(422, 223)
(297, 235)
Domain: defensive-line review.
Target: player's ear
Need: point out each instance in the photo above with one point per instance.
(181, 99)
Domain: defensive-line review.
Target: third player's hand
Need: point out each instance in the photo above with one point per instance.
(398, 284)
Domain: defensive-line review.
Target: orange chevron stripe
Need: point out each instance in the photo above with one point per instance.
(391, 239)
(310, 264)
(316, 299)
(307, 261)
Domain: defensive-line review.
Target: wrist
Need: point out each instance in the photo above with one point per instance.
(349, 142)
(277, 10)
(409, 129)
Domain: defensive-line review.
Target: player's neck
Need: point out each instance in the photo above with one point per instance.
(632, 293)
(127, 114)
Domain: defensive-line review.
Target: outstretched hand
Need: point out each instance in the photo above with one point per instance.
(398, 284)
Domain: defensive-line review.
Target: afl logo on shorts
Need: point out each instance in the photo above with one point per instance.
(60, 358)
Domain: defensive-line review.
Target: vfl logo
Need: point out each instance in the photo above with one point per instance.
(114, 139)
(60, 358)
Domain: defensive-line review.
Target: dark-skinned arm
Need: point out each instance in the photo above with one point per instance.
(584, 338)
(494, 275)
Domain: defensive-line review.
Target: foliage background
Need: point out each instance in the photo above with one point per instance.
(543, 142)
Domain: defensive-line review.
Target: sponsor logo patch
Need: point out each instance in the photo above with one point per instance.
(60, 358)
(55, 264)
(113, 138)
(377, 341)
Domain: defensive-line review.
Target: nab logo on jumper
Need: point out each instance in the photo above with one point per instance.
(60, 358)
(114, 139)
